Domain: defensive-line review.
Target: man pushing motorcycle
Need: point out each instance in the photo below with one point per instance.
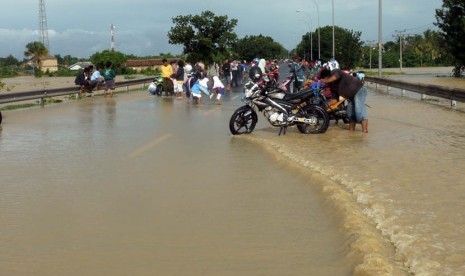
(351, 88)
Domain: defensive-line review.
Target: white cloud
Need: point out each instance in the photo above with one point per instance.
(79, 30)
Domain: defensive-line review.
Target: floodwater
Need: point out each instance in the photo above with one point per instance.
(405, 177)
(138, 185)
(142, 185)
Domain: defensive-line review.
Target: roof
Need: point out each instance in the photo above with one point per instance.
(144, 62)
(47, 57)
(79, 65)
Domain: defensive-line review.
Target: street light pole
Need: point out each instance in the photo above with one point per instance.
(380, 37)
(318, 12)
(311, 34)
(334, 54)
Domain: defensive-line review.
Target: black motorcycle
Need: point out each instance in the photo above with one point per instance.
(281, 109)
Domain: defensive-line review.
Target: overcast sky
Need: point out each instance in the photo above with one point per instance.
(81, 28)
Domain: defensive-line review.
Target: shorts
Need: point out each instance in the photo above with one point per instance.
(356, 110)
(219, 90)
(109, 84)
(178, 86)
(227, 79)
(196, 95)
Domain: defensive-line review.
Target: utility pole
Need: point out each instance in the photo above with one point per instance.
(112, 32)
(370, 44)
(400, 35)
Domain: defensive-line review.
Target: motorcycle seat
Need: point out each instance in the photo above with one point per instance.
(303, 94)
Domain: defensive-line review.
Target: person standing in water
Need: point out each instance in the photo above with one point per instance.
(345, 85)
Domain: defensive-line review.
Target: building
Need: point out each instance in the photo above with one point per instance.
(79, 65)
(143, 64)
(49, 63)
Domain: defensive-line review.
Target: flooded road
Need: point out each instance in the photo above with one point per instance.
(138, 185)
(141, 185)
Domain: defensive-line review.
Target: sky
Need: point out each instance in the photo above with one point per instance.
(82, 28)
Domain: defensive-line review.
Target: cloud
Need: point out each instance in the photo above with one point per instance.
(79, 30)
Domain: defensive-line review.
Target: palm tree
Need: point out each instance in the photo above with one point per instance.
(432, 40)
(37, 50)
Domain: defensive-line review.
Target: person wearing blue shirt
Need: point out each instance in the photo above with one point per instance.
(298, 70)
(96, 78)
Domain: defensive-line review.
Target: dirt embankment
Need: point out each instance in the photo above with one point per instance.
(430, 75)
(441, 76)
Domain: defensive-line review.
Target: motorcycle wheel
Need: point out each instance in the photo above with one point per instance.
(319, 118)
(243, 121)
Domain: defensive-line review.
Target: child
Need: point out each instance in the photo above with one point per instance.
(204, 85)
(109, 75)
(188, 83)
(178, 77)
(196, 93)
(218, 88)
(153, 87)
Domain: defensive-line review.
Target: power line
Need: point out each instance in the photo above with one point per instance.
(421, 27)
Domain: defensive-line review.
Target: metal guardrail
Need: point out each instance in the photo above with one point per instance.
(452, 94)
(46, 93)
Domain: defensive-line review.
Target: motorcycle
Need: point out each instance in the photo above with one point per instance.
(336, 108)
(156, 87)
(289, 85)
(281, 109)
(273, 76)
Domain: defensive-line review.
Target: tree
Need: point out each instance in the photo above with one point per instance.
(9, 61)
(260, 46)
(117, 58)
(451, 20)
(37, 50)
(66, 60)
(419, 45)
(348, 49)
(204, 37)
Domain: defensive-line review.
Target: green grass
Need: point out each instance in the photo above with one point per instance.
(17, 106)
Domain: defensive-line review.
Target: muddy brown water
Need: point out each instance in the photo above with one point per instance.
(137, 185)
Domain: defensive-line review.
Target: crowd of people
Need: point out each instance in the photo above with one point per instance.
(184, 80)
(90, 79)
